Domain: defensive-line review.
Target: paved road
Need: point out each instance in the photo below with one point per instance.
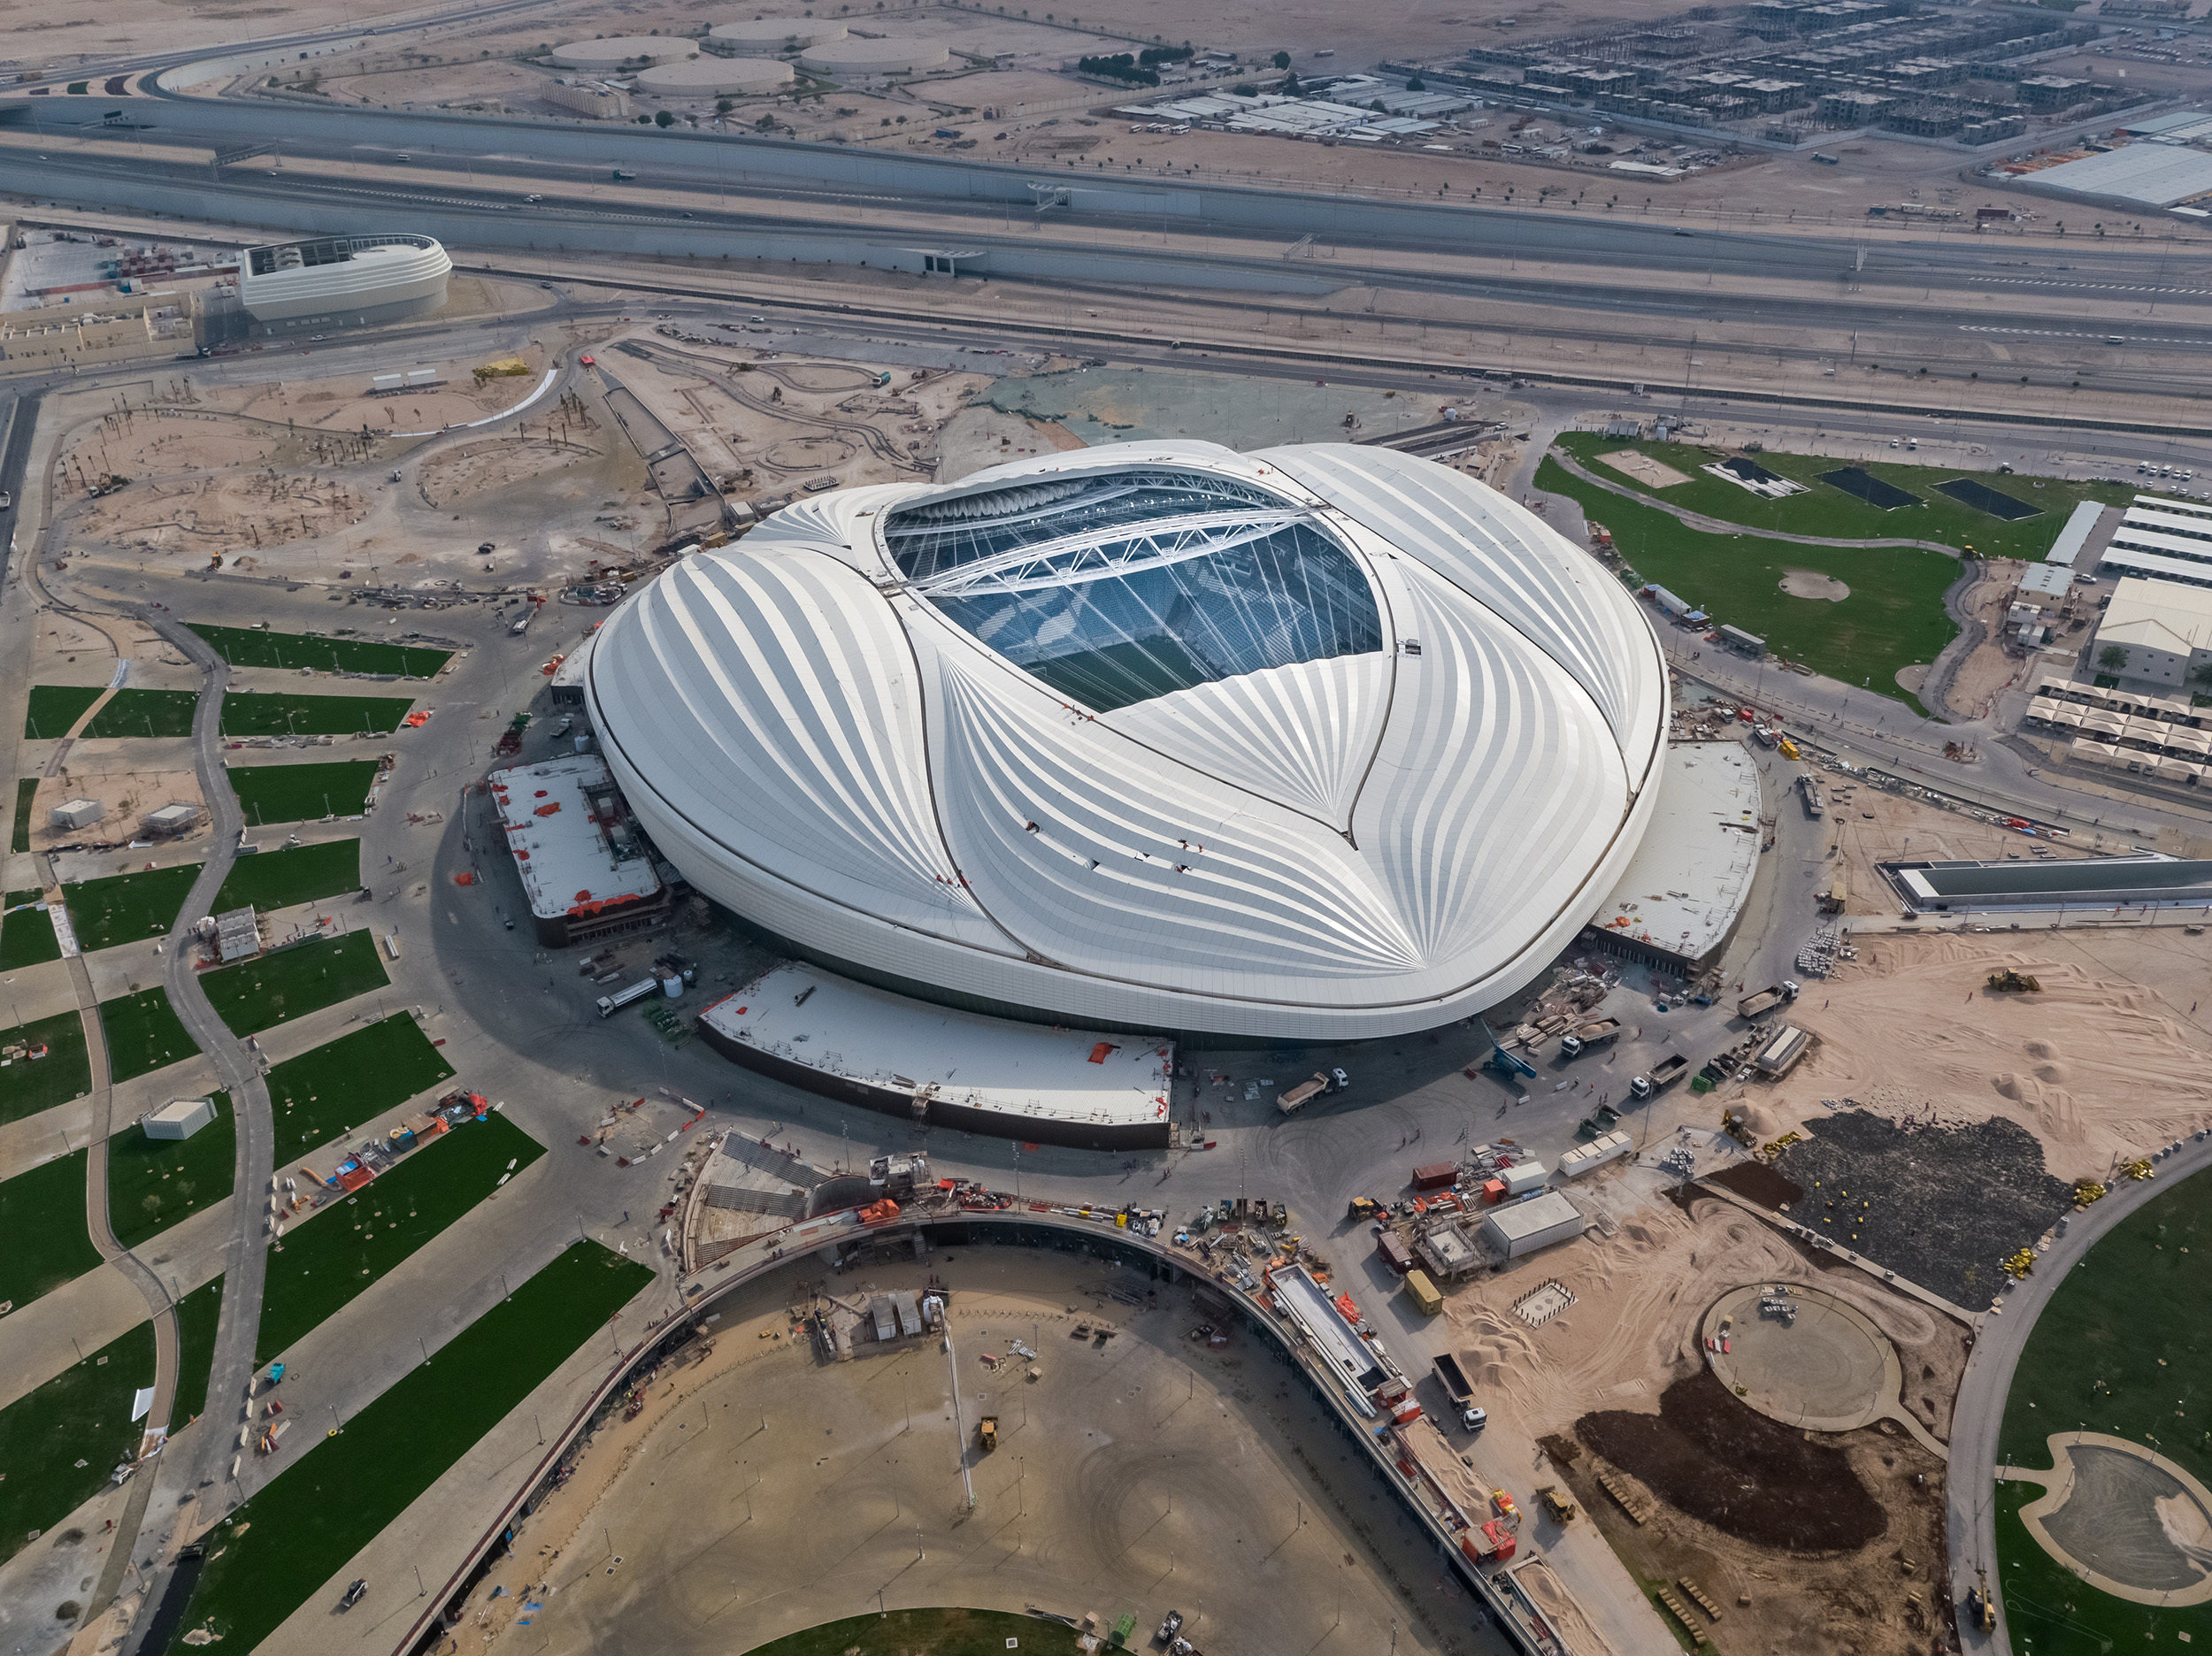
(1977, 1413)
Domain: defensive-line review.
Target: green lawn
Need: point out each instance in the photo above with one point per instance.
(42, 1216)
(59, 1443)
(934, 1633)
(28, 1085)
(277, 879)
(26, 935)
(143, 1034)
(2124, 1346)
(125, 907)
(298, 1536)
(248, 646)
(54, 708)
(283, 714)
(289, 983)
(322, 1093)
(26, 789)
(328, 1259)
(145, 713)
(198, 1314)
(154, 1182)
(303, 792)
(1829, 510)
(1893, 618)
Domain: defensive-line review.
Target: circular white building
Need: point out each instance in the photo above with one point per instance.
(1314, 743)
(716, 77)
(624, 51)
(343, 280)
(765, 37)
(875, 56)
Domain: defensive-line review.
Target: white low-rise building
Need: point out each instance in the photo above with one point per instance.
(2165, 628)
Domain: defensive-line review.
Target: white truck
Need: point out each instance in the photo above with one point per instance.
(610, 1004)
(1596, 1034)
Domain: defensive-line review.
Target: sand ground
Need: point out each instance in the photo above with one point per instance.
(1234, 1506)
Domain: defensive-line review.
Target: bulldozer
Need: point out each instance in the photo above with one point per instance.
(1556, 1506)
(2011, 982)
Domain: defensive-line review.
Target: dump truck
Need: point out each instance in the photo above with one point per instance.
(1667, 1069)
(1303, 1093)
(1593, 1034)
(1768, 998)
(1809, 793)
(1454, 1379)
(986, 1434)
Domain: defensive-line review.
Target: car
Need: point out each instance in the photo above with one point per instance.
(317, 339)
(1339, 1079)
(757, 319)
(687, 215)
(534, 200)
(587, 362)
(1474, 1419)
(487, 547)
(6, 500)
(355, 1593)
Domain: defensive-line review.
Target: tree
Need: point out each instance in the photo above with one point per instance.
(1281, 60)
(722, 106)
(664, 120)
(2200, 674)
(1414, 83)
(2113, 658)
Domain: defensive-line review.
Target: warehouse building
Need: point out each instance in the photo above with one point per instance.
(2165, 628)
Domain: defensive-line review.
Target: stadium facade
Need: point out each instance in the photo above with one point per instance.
(338, 281)
(1314, 743)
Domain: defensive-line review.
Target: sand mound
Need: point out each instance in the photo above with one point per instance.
(1813, 584)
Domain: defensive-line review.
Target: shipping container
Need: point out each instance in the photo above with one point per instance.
(1422, 1293)
(1436, 1175)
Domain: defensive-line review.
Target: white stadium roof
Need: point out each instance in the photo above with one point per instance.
(1317, 742)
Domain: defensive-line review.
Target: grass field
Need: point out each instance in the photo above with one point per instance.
(303, 792)
(198, 1312)
(1829, 510)
(145, 713)
(125, 907)
(54, 708)
(257, 994)
(283, 714)
(298, 1536)
(328, 1259)
(26, 936)
(2124, 1346)
(143, 1034)
(154, 1182)
(322, 1093)
(26, 789)
(1893, 618)
(42, 1215)
(248, 646)
(277, 879)
(60, 1442)
(933, 1633)
(28, 1084)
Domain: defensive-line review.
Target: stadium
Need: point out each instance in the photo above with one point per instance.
(340, 281)
(1311, 744)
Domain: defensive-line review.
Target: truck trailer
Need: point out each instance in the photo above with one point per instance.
(1304, 1092)
(1768, 998)
(610, 1004)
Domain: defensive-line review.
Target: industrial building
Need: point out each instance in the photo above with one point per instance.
(336, 282)
(861, 59)
(1311, 743)
(765, 37)
(1519, 1229)
(623, 51)
(2073, 882)
(2138, 175)
(2164, 540)
(926, 1064)
(716, 77)
(585, 867)
(2073, 541)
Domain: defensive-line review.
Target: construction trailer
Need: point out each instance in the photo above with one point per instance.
(1516, 1230)
(1780, 1055)
(1427, 1300)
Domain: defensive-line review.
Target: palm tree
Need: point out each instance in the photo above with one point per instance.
(2113, 658)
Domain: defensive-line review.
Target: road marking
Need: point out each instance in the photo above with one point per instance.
(2032, 281)
(1969, 327)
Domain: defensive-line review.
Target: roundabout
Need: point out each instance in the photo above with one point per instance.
(1803, 1357)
